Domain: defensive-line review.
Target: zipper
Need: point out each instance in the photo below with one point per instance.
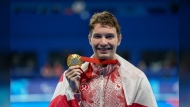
(101, 89)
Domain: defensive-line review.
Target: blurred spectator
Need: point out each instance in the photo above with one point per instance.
(161, 63)
(58, 69)
(155, 66)
(46, 70)
(16, 61)
(169, 65)
(52, 70)
(30, 65)
(142, 65)
(23, 64)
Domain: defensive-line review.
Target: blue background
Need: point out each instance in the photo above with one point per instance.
(35, 27)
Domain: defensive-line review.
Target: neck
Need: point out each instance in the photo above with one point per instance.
(101, 65)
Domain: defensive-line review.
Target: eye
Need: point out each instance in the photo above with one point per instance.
(97, 36)
(109, 36)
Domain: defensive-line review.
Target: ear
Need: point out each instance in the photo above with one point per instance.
(89, 39)
(119, 39)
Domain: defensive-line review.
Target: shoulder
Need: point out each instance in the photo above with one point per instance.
(128, 69)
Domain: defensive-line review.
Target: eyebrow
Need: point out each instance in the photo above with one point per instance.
(105, 34)
(96, 34)
(110, 34)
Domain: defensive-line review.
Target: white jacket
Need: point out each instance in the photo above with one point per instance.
(137, 89)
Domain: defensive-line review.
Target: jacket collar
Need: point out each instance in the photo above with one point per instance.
(124, 65)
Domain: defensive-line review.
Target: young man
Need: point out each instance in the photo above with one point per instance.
(104, 85)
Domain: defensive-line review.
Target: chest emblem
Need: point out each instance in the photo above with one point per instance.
(84, 87)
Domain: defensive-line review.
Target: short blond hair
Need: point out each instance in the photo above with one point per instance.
(104, 18)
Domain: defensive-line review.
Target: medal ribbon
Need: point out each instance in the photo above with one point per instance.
(99, 61)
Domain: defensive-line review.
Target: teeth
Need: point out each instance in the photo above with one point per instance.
(104, 49)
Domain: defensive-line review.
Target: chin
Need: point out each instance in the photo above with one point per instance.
(104, 57)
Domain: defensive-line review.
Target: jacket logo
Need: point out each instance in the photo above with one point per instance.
(118, 86)
(84, 87)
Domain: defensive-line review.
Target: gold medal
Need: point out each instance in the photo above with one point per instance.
(74, 59)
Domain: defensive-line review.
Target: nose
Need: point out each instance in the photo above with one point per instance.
(103, 42)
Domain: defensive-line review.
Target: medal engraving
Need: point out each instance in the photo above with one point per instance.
(73, 60)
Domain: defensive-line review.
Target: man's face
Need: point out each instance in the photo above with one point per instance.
(104, 41)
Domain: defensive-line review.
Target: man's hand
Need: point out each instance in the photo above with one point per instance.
(73, 76)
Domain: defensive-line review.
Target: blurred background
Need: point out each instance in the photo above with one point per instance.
(44, 32)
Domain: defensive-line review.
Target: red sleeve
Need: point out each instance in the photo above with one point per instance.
(61, 101)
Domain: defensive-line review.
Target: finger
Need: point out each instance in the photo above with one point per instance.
(70, 71)
(75, 78)
(73, 67)
(73, 72)
(73, 75)
(74, 83)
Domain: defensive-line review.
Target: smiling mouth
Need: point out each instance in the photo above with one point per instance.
(104, 49)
